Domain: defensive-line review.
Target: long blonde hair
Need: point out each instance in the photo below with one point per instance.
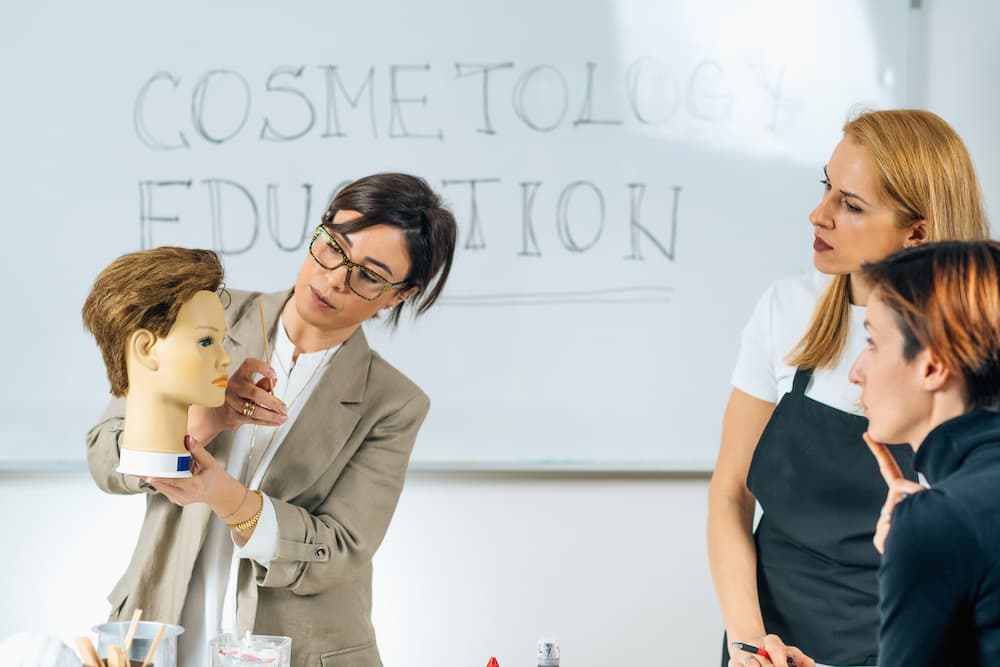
(925, 170)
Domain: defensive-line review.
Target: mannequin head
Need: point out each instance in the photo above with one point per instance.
(158, 321)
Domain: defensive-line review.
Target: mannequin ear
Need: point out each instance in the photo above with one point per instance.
(142, 348)
(919, 233)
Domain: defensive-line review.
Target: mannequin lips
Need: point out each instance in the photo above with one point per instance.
(222, 381)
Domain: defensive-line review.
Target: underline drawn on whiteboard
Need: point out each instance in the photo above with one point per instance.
(642, 294)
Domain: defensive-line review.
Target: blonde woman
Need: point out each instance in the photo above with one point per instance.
(792, 429)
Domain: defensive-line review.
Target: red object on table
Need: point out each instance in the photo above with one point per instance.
(493, 663)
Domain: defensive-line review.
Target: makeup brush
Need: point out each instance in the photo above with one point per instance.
(133, 626)
(88, 654)
(152, 648)
(263, 330)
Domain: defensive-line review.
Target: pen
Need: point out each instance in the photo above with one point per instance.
(750, 648)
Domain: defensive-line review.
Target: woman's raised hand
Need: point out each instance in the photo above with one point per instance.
(899, 488)
(248, 401)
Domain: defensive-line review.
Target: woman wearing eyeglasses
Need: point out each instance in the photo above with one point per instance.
(297, 475)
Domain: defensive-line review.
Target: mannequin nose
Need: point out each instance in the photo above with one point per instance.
(224, 359)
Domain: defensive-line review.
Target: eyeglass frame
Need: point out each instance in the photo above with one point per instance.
(386, 284)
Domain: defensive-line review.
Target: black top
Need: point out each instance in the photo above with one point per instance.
(940, 578)
(821, 492)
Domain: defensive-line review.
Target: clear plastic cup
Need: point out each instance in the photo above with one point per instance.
(228, 650)
(145, 632)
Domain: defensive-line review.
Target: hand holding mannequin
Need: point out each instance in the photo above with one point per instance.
(159, 323)
(322, 491)
(249, 384)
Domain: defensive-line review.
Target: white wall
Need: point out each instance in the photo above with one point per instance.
(480, 565)
(474, 566)
(963, 83)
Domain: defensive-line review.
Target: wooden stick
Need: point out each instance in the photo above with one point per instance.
(136, 615)
(88, 654)
(116, 657)
(263, 330)
(156, 642)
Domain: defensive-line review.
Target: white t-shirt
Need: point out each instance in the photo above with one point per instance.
(778, 322)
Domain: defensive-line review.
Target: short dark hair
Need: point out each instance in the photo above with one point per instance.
(408, 203)
(946, 298)
(144, 290)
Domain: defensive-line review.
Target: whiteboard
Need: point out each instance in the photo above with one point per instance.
(627, 177)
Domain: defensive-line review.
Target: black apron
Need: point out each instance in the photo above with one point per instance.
(821, 492)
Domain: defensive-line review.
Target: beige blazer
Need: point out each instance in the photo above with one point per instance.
(334, 482)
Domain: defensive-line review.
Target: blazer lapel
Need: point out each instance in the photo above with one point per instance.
(243, 340)
(325, 423)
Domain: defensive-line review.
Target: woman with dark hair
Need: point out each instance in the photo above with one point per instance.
(930, 376)
(297, 475)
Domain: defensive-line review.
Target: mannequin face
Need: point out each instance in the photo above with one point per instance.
(189, 364)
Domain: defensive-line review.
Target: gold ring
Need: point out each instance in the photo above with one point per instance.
(249, 407)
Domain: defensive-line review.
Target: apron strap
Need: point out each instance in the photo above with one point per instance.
(801, 380)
